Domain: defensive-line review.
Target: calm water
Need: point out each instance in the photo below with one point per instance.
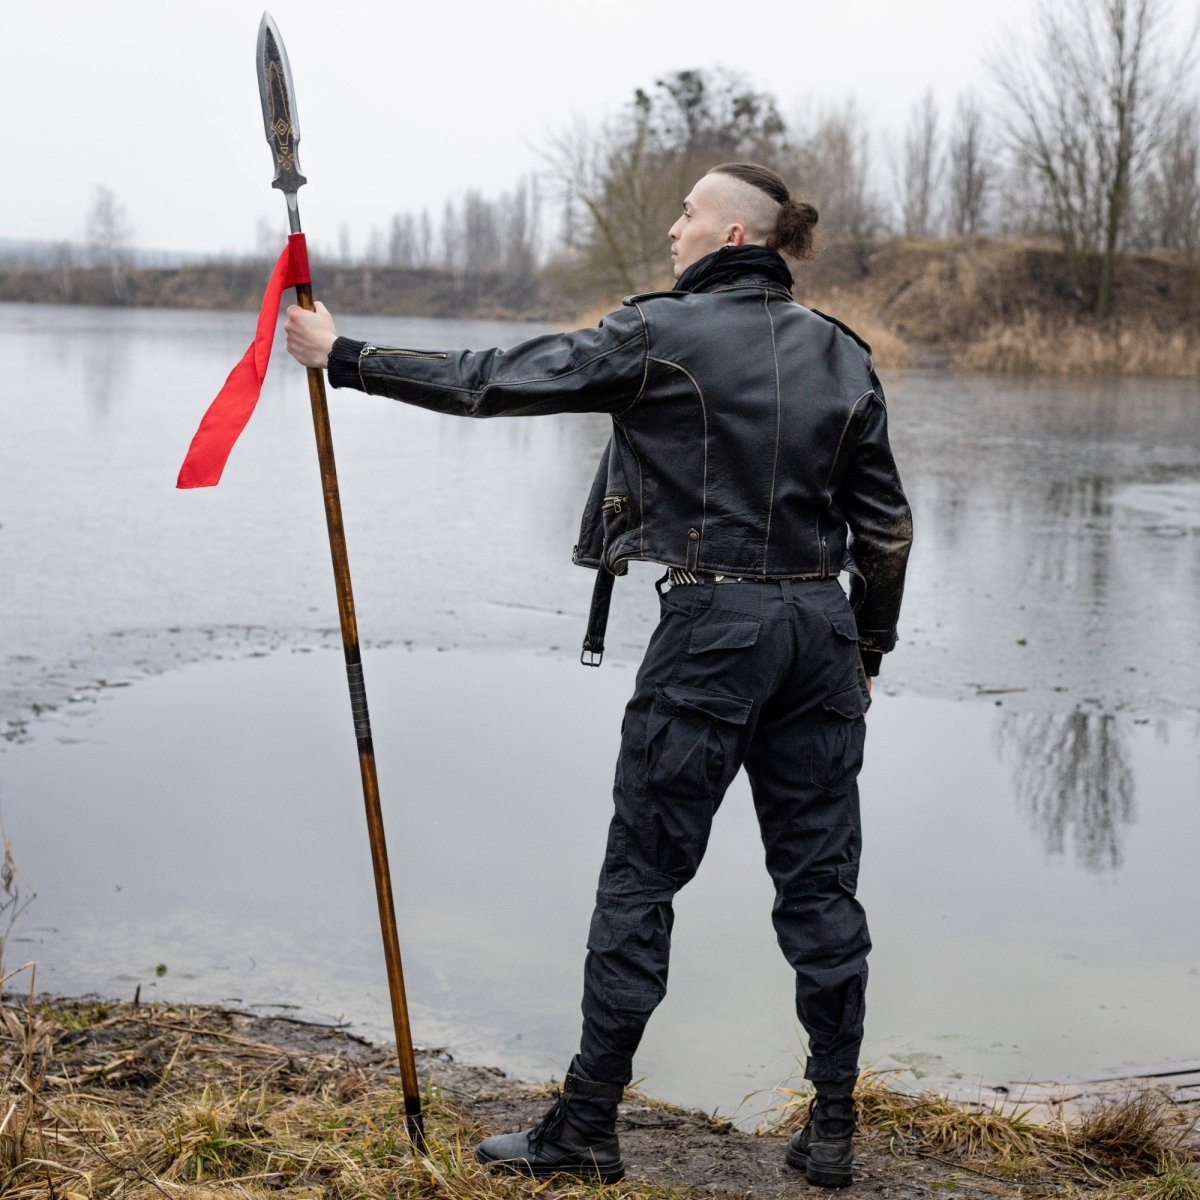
(1030, 793)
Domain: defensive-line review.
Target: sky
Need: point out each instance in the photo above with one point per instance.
(403, 105)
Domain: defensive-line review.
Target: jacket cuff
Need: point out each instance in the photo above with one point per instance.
(872, 660)
(343, 364)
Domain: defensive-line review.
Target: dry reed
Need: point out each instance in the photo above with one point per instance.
(1129, 346)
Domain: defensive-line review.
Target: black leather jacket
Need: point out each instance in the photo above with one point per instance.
(749, 433)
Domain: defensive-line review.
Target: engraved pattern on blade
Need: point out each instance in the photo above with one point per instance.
(279, 118)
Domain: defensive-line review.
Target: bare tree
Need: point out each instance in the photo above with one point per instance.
(423, 255)
(1170, 214)
(108, 234)
(64, 264)
(482, 247)
(1086, 107)
(624, 180)
(920, 170)
(267, 239)
(402, 237)
(520, 216)
(450, 256)
(599, 171)
(831, 159)
(970, 170)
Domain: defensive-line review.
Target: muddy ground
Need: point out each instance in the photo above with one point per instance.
(129, 1054)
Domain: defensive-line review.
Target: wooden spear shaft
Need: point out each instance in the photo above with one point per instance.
(414, 1120)
(283, 135)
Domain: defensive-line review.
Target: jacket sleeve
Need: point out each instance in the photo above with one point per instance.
(872, 500)
(589, 370)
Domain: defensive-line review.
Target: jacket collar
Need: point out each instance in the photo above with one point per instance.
(731, 266)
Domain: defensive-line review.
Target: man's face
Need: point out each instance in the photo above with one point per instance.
(703, 227)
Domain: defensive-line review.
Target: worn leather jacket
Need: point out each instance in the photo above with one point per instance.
(749, 433)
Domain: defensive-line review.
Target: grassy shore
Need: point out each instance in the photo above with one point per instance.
(989, 305)
(104, 1099)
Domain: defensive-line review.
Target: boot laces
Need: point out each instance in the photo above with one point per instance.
(550, 1125)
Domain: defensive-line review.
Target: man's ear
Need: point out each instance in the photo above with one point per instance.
(737, 235)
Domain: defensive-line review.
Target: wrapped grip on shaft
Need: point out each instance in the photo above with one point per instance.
(358, 700)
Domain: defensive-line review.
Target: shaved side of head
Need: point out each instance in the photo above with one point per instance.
(744, 204)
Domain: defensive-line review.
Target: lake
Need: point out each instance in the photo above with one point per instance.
(179, 781)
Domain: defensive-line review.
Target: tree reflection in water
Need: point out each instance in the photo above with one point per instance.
(1073, 781)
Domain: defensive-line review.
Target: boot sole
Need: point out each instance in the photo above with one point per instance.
(820, 1175)
(587, 1170)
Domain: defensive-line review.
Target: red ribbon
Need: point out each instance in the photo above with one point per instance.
(227, 415)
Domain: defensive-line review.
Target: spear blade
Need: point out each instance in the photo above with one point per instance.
(280, 120)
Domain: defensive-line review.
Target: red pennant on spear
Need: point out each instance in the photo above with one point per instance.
(219, 429)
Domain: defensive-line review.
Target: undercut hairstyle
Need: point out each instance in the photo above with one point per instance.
(793, 232)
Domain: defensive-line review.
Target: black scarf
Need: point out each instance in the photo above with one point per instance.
(733, 265)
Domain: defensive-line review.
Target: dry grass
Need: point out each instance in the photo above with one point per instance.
(1137, 1146)
(141, 1103)
(186, 1108)
(888, 348)
(1036, 344)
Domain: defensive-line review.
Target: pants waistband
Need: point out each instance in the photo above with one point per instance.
(678, 577)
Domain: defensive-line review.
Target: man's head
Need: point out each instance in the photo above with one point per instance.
(739, 204)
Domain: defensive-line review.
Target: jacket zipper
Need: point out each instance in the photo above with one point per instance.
(614, 504)
(369, 350)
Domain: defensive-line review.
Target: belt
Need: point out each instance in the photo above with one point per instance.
(593, 641)
(678, 577)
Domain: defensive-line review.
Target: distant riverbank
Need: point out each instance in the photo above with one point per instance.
(979, 304)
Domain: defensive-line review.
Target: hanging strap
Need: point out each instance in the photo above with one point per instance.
(593, 641)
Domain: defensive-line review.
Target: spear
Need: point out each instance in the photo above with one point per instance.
(283, 133)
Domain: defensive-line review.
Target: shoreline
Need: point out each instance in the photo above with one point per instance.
(276, 1105)
(976, 304)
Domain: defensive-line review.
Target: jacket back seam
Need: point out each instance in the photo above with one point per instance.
(704, 418)
(778, 433)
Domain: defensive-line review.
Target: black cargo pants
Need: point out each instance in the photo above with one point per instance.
(765, 675)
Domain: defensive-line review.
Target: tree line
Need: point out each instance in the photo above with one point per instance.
(1083, 130)
(1088, 134)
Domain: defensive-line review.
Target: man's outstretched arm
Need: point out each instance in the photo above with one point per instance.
(589, 370)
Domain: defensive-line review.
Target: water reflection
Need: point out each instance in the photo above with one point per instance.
(105, 363)
(1072, 781)
(1056, 548)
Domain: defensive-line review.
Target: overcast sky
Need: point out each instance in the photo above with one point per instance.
(403, 104)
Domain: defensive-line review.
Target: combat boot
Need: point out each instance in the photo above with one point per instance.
(578, 1136)
(824, 1148)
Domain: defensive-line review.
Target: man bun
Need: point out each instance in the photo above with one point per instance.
(793, 233)
(794, 229)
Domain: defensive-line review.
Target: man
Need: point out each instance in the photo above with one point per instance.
(749, 456)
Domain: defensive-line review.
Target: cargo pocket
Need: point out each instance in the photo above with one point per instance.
(838, 735)
(708, 635)
(686, 738)
(844, 625)
(691, 756)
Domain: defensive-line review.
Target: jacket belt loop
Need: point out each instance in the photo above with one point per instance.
(786, 586)
(593, 641)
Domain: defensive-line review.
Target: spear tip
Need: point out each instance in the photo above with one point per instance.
(280, 120)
